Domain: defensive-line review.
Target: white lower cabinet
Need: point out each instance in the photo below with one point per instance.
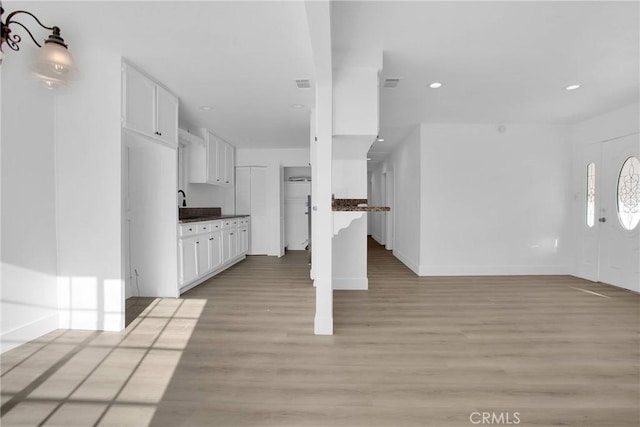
(188, 251)
(243, 239)
(215, 250)
(207, 248)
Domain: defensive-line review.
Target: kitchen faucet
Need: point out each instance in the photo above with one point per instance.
(184, 198)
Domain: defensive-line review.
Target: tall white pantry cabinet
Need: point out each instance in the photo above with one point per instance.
(251, 199)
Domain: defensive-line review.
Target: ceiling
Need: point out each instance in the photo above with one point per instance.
(241, 58)
(499, 62)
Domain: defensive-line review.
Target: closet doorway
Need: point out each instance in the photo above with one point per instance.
(297, 215)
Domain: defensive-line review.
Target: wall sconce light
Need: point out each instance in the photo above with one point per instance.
(54, 65)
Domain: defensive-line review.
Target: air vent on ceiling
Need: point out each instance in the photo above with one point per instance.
(303, 83)
(392, 83)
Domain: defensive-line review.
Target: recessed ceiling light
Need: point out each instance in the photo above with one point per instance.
(572, 87)
(297, 106)
(368, 158)
(380, 139)
(206, 107)
(435, 85)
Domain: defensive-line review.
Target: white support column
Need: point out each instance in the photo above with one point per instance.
(323, 272)
(319, 20)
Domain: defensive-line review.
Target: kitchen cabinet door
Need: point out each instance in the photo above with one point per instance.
(243, 240)
(229, 165)
(229, 244)
(215, 250)
(139, 99)
(166, 116)
(221, 154)
(188, 251)
(202, 252)
(213, 166)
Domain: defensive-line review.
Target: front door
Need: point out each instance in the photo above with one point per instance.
(610, 250)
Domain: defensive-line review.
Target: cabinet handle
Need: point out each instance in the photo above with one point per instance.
(226, 182)
(211, 238)
(197, 243)
(230, 234)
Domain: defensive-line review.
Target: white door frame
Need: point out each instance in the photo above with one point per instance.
(389, 216)
(382, 217)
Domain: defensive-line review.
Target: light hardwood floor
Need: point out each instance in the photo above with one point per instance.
(239, 351)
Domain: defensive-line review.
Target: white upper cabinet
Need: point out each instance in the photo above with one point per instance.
(139, 101)
(211, 162)
(230, 168)
(148, 108)
(166, 115)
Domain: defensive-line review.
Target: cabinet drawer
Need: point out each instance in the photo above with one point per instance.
(204, 228)
(187, 229)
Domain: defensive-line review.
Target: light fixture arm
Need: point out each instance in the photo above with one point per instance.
(13, 40)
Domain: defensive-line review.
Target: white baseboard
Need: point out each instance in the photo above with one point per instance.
(358, 283)
(493, 270)
(28, 332)
(323, 326)
(406, 261)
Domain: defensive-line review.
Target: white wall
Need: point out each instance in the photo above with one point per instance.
(374, 219)
(492, 202)
(29, 260)
(214, 196)
(405, 163)
(273, 160)
(88, 181)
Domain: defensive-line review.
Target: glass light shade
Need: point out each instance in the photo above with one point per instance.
(50, 82)
(54, 62)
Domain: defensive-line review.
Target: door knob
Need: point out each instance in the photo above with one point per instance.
(603, 219)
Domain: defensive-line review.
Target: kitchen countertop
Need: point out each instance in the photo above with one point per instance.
(209, 218)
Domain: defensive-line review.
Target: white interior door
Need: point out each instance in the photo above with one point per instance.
(619, 213)
(610, 237)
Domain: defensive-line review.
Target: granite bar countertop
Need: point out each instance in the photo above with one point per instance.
(351, 205)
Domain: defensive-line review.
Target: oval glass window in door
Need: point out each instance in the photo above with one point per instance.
(629, 193)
